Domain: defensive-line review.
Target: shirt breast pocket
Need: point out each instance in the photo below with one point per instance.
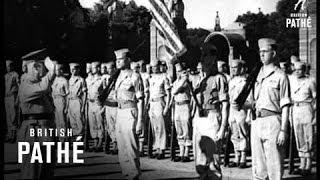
(274, 90)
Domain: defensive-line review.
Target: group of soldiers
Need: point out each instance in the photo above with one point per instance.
(201, 104)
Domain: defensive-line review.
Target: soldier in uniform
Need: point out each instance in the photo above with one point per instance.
(182, 110)
(37, 113)
(111, 107)
(129, 95)
(145, 79)
(95, 87)
(60, 91)
(159, 90)
(11, 101)
(211, 118)
(303, 93)
(222, 68)
(76, 100)
(237, 116)
(269, 129)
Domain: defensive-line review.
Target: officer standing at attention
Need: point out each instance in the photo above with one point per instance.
(181, 93)
(303, 93)
(159, 90)
(111, 107)
(88, 80)
(129, 95)
(237, 116)
(76, 100)
(269, 129)
(37, 113)
(211, 118)
(95, 87)
(11, 101)
(60, 91)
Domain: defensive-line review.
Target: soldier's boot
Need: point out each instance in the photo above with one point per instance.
(141, 149)
(107, 144)
(160, 155)
(181, 154)
(99, 147)
(115, 148)
(236, 161)
(14, 136)
(243, 160)
(186, 157)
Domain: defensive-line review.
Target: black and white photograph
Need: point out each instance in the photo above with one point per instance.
(159, 89)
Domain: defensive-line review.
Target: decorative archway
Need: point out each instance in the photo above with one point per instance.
(222, 44)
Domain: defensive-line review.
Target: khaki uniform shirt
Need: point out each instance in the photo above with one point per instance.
(60, 87)
(129, 86)
(34, 95)
(11, 83)
(112, 94)
(271, 90)
(184, 92)
(95, 87)
(159, 83)
(77, 87)
(236, 85)
(302, 89)
(213, 90)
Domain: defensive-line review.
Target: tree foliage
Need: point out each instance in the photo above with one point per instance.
(259, 25)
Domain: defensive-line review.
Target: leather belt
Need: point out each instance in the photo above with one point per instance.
(58, 96)
(127, 104)
(111, 104)
(156, 99)
(93, 100)
(74, 98)
(205, 112)
(183, 102)
(39, 116)
(265, 113)
(301, 103)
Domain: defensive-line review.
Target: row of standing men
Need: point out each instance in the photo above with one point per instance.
(78, 98)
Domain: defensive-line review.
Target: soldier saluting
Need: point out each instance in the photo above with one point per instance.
(37, 113)
(269, 129)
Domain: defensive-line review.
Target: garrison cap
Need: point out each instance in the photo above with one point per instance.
(199, 65)
(110, 64)
(294, 59)
(155, 63)
(234, 62)
(180, 67)
(300, 65)
(282, 64)
(221, 63)
(38, 55)
(95, 64)
(73, 65)
(121, 53)
(104, 64)
(266, 42)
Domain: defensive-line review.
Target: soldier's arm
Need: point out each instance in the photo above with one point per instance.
(224, 99)
(285, 101)
(84, 95)
(167, 89)
(138, 86)
(179, 86)
(313, 90)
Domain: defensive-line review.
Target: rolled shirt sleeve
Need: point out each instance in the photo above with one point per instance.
(138, 85)
(284, 91)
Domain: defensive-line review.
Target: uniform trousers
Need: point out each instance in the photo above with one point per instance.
(59, 115)
(110, 124)
(158, 124)
(238, 135)
(267, 156)
(205, 146)
(127, 141)
(75, 116)
(11, 112)
(182, 124)
(302, 124)
(95, 120)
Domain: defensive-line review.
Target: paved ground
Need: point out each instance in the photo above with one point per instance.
(102, 166)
